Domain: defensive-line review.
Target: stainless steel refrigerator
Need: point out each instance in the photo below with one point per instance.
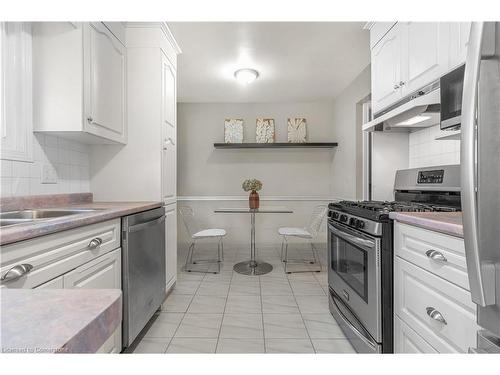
(480, 174)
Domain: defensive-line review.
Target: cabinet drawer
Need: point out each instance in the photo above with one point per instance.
(413, 243)
(58, 253)
(101, 273)
(57, 283)
(406, 340)
(416, 290)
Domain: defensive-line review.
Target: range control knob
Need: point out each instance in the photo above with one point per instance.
(360, 224)
(352, 221)
(343, 218)
(335, 215)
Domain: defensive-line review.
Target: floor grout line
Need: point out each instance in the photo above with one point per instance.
(301, 316)
(224, 312)
(184, 314)
(262, 316)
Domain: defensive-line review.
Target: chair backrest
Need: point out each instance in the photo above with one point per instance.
(317, 216)
(189, 220)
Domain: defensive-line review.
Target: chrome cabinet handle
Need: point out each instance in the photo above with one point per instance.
(436, 315)
(90, 119)
(396, 87)
(435, 255)
(16, 272)
(401, 83)
(95, 243)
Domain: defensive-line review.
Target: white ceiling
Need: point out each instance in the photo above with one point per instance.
(297, 61)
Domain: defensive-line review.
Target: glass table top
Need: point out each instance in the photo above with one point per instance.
(261, 210)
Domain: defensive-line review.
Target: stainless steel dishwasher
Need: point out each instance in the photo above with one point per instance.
(144, 274)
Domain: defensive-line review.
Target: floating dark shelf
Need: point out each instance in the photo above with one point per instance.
(277, 145)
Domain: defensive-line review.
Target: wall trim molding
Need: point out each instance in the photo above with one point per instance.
(283, 198)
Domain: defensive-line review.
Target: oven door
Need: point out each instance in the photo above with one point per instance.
(354, 276)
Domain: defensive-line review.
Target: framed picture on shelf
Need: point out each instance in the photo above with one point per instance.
(297, 130)
(233, 130)
(264, 130)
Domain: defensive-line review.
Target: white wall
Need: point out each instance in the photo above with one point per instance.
(426, 151)
(205, 171)
(345, 117)
(304, 176)
(70, 160)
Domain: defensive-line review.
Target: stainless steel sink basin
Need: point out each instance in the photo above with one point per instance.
(29, 216)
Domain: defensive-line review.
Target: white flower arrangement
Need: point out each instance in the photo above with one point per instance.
(251, 185)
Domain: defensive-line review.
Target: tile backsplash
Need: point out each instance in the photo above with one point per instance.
(426, 151)
(70, 160)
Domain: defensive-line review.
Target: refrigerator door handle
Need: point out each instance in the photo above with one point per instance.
(481, 274)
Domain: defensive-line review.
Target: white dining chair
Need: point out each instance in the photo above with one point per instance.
(309, 232)
(197, 232)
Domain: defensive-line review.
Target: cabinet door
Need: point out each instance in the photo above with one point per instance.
(171, 243)
(441, 312)
(458, 42)
(101, 273)
(169, 132)
(16, 120)
(424, 54)
(105, 83)
(406, 340)
(386, 70)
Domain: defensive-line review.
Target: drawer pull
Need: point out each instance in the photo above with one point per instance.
(95, 243)
(16, 272)
(436, 315)
(436, 255)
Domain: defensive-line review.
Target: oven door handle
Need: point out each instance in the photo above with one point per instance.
(364, 336)
(353, 239)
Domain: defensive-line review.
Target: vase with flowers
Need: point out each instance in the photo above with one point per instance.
(253, 186)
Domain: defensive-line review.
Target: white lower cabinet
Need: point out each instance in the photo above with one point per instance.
(171, 244)
(57, 283)
(101, 273)
(406, 340)
(433, 308)
(70, 259)
(441, 312)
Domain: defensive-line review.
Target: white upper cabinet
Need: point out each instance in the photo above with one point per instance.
(386, 69)
(424, 54)
(169, 132)
(79, 82)
(459, 41)
(16, 118)
(412, 55)
(105, 89)
(377, 31)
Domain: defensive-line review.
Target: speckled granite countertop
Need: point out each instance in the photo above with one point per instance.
(443, 222)
(105, 211)
(58, 320)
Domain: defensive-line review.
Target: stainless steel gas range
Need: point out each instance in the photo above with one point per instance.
(360, 253)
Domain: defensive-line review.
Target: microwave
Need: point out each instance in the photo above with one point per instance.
(451, 86)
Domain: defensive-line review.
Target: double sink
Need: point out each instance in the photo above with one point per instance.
(32, 216)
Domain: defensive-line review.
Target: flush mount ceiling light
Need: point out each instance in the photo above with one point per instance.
(246, 76)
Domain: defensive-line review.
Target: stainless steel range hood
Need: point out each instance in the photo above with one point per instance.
(420, 109)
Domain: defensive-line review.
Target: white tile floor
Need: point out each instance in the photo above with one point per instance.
(234, 313)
